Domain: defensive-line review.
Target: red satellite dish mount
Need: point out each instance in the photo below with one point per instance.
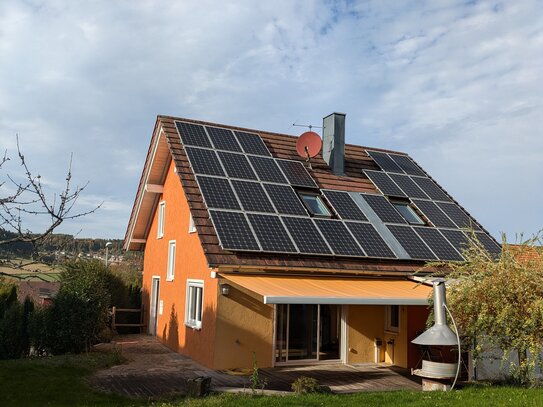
(308, 145)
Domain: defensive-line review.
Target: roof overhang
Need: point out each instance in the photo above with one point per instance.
(332, 290)
(149, 190)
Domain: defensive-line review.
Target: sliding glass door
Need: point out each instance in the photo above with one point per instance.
(307, 332)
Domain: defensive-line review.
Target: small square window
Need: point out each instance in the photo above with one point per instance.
(170, 273)
(314, 204)
(161, 214)
(194, 303)
(392, 318)
(408, 213)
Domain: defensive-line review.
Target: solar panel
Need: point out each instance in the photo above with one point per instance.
(252, 196)
(192, 134)
(382, 181)
(237, 165)
(434, 214)
(457, 215)
(296, 173)
(431, 189)
(408, 186)
(407, 164)
(285, 200)
(439, 245)
(233, 231)
(384, 161)
(339, 238)
(489, 244)
(217, 193)
(370, 240)
(457, 238)
(306, 235)
(411, 242)
(223, 139)
(267, 169)
(383, 208)
(271, 233)
(204, 161)
(344, 205)
(252, 143)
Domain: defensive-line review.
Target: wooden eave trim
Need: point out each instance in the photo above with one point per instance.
(305, 270)
(159, 132)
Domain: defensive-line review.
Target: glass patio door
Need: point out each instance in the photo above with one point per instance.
(307, 332)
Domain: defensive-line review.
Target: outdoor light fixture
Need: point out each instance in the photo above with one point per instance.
(439, 335)
(225, 289)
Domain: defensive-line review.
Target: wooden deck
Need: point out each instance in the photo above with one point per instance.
(340, 378)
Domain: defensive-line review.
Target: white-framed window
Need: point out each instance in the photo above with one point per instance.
(314, 204)
(194, 303)
(192, 226)
(392, 318)
(161, 213)
(170, 273)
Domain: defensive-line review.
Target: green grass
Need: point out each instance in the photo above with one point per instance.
(61, 381)
(473, 396)
(56, 381)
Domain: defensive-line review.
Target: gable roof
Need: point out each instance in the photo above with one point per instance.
(166, 143)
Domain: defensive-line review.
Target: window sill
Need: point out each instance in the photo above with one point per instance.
(160, 237)
(169, 279)
(193, 326)
(389, 332)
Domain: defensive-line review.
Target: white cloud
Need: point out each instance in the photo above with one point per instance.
(456, 84)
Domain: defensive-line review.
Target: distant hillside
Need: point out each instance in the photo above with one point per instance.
(59, 243)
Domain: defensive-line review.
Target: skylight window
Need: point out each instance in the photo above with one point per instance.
(314, 204)
(408, 213)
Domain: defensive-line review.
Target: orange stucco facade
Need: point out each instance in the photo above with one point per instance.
(190, 263)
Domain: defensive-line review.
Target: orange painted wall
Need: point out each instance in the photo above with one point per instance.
(190, 263)
(367, 322)
(244, 328)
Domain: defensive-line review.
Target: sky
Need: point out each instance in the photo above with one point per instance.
(456, 84)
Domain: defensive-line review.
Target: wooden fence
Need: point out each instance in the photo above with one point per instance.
(114, 324)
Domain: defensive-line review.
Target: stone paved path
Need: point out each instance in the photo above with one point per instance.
(154, 371)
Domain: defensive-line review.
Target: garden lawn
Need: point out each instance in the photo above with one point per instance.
(56, 381)
(472, 396)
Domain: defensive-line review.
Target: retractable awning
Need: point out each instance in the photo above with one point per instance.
(332, 290)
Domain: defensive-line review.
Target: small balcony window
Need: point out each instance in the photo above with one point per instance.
(314, 204)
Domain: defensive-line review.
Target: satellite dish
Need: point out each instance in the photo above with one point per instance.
(309, 144)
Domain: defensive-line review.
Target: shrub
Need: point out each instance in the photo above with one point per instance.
(8, 295)
(11, 326)
(81, 307)
(305, 384)
(14, 317)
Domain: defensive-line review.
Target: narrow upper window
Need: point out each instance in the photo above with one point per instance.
(192, 226)
(408, 213)
(194, 302)
(161, 212)
(393, 318)
(314, 204)
(170, 273)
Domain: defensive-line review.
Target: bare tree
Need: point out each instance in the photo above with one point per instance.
(28, 198)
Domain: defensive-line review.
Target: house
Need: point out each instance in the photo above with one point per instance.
(251, 250)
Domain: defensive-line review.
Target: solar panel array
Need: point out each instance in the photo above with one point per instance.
(401, 177)
(254, 207)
